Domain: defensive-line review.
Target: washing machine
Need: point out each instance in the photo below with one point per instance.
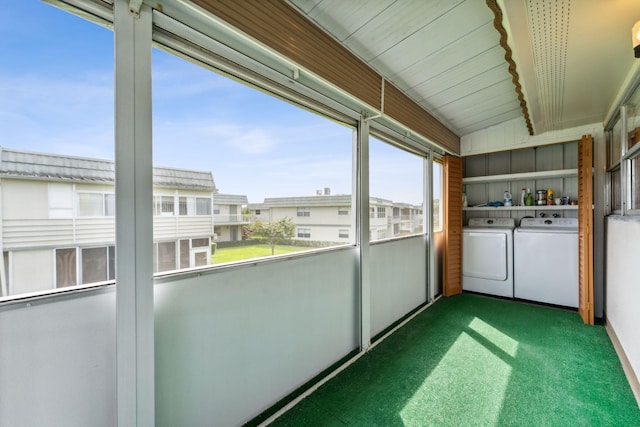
(487, 256)
(546, 261)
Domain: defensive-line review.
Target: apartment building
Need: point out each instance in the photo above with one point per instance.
(328, 218)
(228, 216)
(58, 213)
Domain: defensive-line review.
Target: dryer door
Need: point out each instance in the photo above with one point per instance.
(484, 255)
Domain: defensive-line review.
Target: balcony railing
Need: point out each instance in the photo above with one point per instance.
(220, 219)
(25, 233)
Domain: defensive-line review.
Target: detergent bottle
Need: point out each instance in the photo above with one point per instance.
(529, 199)
(507, 200)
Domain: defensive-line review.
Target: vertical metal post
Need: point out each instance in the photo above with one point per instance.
(4, 287)
(362, 231)
(599, 191)
(428, 225)
(625, 190)
(134, 229)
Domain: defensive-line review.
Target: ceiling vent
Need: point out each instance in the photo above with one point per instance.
(549, 24)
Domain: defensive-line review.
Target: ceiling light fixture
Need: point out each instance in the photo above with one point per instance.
(635, 36)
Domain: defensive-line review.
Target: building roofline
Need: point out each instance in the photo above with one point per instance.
(23, 164)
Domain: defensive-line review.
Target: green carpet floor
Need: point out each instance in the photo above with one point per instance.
(475, 361)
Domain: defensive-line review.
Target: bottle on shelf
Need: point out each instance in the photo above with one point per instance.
(507, 199)
(529, 199)
(523, 197)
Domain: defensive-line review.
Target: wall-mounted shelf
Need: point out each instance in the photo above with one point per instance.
(522, 208)
(562, 173)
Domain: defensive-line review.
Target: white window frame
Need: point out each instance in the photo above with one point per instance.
(61, 200)
(303, 233)
(158, 203)
(104, 196)
(55, 270)
(625, 167)
(80, 263)
(198, 206)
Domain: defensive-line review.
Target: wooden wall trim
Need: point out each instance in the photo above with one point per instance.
(402, 109)
(281, 27)
(585, 229)
(497, 23)
(452, 212)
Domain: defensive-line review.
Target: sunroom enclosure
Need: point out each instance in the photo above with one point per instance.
(214, 345)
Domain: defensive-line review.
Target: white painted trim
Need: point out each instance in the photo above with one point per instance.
(362, 233)
(513, 135)
(563, 173)
(427, 218)
(135, 371)
(624, 361)
(4, 287)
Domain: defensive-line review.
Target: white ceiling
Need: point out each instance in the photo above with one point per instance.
(572, 56)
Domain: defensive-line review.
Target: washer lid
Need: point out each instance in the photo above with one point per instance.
(492, 222)
(550, 223)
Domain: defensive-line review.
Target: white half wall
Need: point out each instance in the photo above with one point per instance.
(57, 361)
(623, 285)
(398, 280)
(229, 342)
(232, 342)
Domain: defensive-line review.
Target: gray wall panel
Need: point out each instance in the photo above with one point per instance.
(398, 280)
(230, 344)
(57, 361)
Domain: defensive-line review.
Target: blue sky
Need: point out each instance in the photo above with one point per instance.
(56, 95)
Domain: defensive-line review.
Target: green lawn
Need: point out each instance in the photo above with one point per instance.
(254, 251)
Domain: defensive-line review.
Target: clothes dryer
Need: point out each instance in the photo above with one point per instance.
(546, 261)
(487, 256)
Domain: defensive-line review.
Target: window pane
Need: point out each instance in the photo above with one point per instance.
(90, 204)
(201, 259)
(110, 205)
(185, 252)
(254, 156)
(166, 256)
(397, 191)
(66, 267)
(166, 205)
(112, 263)
(60, 200)
(200, 243)
(437, 196)
(56, 103)
(304, 233)
(183, 206)
(614, 145)
(94, 265)
(203, 206)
